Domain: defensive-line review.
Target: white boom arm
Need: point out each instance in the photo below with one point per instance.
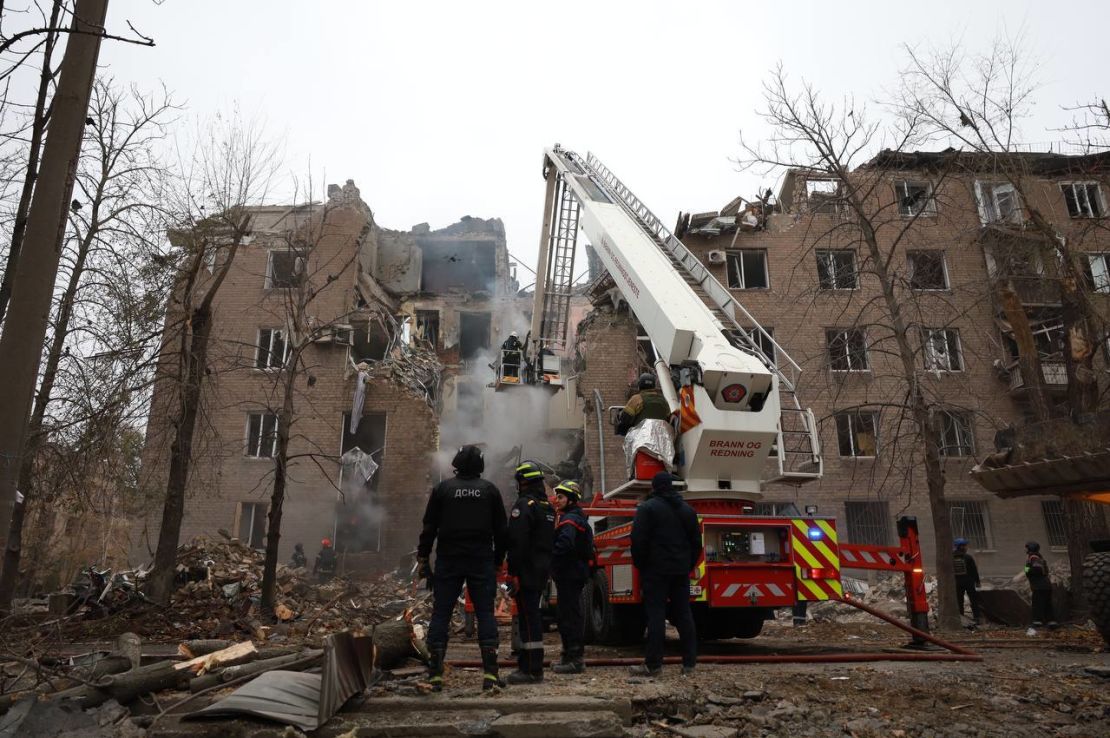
(735, 394)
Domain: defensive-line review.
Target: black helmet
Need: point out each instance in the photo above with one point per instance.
(570, 489)
(468, 462)
(1032, 547)
(527, 473)
(647, 381)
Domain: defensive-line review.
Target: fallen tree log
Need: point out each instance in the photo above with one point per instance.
(231, 673)
(393, 642)
(126, 687)
(234, 654)
(201, 646)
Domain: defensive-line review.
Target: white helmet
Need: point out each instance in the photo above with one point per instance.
(514, 334)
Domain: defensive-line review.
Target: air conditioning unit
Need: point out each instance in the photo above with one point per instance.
(716, 257)
(341, 335)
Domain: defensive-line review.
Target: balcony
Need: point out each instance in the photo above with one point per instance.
(1055, 377)
(1036, 290)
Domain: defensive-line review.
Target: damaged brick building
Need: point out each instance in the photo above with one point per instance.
(414, 312)
(800, 274)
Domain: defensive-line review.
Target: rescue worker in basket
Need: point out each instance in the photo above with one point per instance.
(570, 570)
(648, 403)
(511, 355)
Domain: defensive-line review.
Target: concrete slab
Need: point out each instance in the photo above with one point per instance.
(595, 724)
(439, 724)
(504, 703)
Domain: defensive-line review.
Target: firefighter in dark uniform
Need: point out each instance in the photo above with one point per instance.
(510, 355)
(465, 518)
(531, 536)
(648, 403)
(570, 570)
(299, 560)
(326, 562)
(967, 578)
(1036, 571)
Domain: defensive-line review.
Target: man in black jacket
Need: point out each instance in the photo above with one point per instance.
(570, 569)
(531, 537)
(465, 518)
(967, 578)
(666, 546)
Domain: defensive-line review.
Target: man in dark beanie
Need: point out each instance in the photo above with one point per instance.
(666, 546)
(465, 518)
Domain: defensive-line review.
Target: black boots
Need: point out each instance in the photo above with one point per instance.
(435, 667)
(571, 663)
(490, 679)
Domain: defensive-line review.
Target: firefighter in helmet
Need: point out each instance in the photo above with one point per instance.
(326, 562)
(967, 577)
(1040, 583)
(571, 559)
(648, 403)
(531, 536)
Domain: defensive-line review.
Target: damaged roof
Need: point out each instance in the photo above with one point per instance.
(1042, 163)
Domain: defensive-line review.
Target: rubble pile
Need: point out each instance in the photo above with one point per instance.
(887, 593)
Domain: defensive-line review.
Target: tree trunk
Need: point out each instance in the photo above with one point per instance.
(1079, 347)
(191, 373)
(1029, 361)
(277, 496)
(33, 285)
(13, 549)
(38, 127)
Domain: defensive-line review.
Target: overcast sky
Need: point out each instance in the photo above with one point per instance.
(442, 109)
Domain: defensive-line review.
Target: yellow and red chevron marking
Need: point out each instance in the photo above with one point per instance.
(821, 554)
(699, 585)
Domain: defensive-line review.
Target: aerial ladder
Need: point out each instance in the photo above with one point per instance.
(751, 428)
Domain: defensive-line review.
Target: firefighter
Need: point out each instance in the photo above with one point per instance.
(299, 560)
(465, 518)
(666, 546)
(1036, 570)
(570, 569)
(324, 566)
(531, 537)
(510, 354)
(647, 403)
(967, 578)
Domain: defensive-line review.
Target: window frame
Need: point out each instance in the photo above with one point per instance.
(901, 192)
(827, 256)
(943, 270)
(738, 255)
(294, 279)
(951, 340)
(853, 432)
(259, 349)
(847, 333)
(986, 194)
(254, 506)
(256, 453)
(952, 419)
(882, 508)
(1085, 184)
(1055, 534)
(1099, 287)
(981, 509)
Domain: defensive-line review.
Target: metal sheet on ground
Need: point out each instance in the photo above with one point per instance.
(288, 697)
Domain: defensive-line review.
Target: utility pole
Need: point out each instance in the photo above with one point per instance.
(33, 288)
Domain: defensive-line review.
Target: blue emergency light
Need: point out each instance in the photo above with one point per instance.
(815, 534)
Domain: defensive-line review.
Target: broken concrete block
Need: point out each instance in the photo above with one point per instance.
(705, 731)
(596, 724)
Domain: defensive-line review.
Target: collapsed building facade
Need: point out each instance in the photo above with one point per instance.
(955, 226)
(402, 325)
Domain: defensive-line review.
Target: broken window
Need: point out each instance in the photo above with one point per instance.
(855, 432)
(473, 335)
(998, 202)
(1013, 260)
(970, 520)
(955, 433)
(914, 198)
(472, 402)
(847, 349)
(765, 341)
(284, 269)
(1098, 272)
(836, 270)
(252, 524)
(272, 350)
(927, 270)
(369, 340)
(427, 327)
(261, 435)
(370, 437)
(868, 522)
(824, 196)
(358, 515)
(1084, 199)
(942, 349)
(747, 269)
(462, 266)
(1054, 523)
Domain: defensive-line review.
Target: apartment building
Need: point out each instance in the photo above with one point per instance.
(950, 226)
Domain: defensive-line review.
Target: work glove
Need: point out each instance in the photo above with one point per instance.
(512, 586)
(423, 569)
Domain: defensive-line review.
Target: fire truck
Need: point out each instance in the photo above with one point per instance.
(738, 422)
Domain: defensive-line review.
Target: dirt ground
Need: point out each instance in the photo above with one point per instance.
(1024, 686)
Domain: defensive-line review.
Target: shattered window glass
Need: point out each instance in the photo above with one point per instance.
(747, 269)
(836, 270)
(914, 198)
(847, 349)
(855, 432)
(942, 349)
(1084, 199)
(927, 270)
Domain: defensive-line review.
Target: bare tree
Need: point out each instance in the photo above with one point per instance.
(977, 102)
(111, 236)
(230, 172)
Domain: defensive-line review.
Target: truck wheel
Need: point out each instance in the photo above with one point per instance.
(748, 624)
(1096, 585)
(612, 625)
